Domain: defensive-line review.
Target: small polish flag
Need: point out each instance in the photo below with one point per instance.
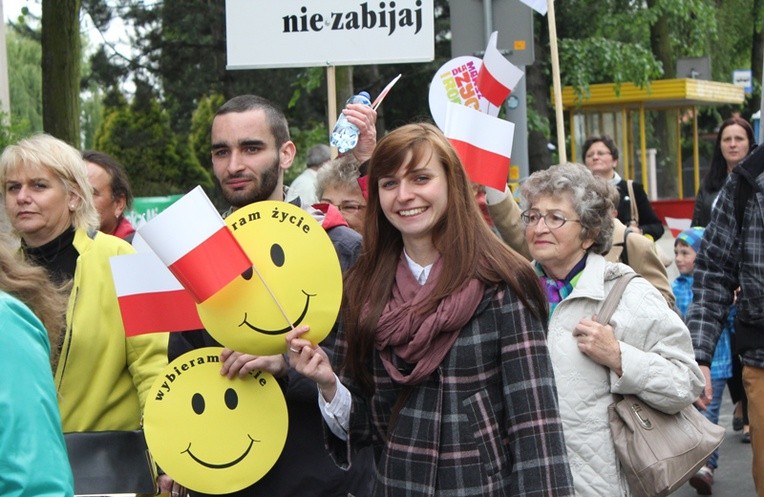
(497, 76)
(677, 225)
(194, 242)
(150, 298)
(483, 142)
(539, 6)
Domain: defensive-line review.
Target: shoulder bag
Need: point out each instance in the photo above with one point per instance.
(658, 452)
(665, 259)
(110, 462)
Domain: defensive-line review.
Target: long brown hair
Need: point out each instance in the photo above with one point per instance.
(468, 248)
(31, 285)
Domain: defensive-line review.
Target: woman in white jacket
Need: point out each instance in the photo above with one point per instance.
(646, 352)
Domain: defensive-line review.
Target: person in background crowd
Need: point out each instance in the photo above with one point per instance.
(733, 142)
(446, 372)
(600, 155)
(33, 457)
(304, 185)
(251, 149)
(337, 184)
(111, 193)
(686, 247)
(102, 376)
(646, 351)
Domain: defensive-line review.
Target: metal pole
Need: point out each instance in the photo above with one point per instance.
(488, 18)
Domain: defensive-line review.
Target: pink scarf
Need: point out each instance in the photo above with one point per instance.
(422, 340)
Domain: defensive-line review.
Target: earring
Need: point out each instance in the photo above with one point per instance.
(71, 207)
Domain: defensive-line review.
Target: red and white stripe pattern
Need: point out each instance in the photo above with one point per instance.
(193, 241)
(483, 142)
(677, 225)
(150, 298)
(497, 76)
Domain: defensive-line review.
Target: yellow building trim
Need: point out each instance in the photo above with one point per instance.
(659, 94)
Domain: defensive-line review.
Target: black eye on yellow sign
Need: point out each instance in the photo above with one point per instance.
(296, 279)
(210, 433)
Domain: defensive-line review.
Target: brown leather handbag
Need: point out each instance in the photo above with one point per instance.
(658, 452)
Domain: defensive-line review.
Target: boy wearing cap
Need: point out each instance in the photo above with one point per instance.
(686, 247)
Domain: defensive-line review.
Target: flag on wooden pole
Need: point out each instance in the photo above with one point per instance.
(483, 143)
(497, 76)
(195, 244)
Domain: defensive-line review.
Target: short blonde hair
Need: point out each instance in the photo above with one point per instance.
(64, 161)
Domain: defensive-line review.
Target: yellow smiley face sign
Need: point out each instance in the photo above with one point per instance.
(295, 280)
(210, 433)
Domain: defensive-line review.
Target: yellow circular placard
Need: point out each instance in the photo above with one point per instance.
(296, 279)
(213, 434)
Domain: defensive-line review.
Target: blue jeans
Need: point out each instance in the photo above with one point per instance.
(712, 414)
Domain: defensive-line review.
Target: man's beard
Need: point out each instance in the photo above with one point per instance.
(261, 189)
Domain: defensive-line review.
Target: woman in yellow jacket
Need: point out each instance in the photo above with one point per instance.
(102, 377)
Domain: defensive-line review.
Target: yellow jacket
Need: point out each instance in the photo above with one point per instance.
(102, 376)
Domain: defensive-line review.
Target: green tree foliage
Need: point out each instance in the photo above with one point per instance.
(201, 124)
(157, 161)
(24, 82)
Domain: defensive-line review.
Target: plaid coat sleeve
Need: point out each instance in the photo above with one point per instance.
(716, 274)
(485, 423)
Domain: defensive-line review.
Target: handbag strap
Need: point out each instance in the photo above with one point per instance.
(614, 297)
(633, 202)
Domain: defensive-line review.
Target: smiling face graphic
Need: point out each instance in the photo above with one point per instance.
(212, 434)
(295, 279)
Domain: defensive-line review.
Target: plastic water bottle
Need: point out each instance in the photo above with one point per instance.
(345, 134)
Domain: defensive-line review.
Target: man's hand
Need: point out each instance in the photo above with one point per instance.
(237, 363)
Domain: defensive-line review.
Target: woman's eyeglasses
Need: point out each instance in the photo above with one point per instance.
(347, 207)
(598, 153)
(553, 220)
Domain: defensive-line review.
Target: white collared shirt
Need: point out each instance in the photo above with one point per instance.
(336, 413)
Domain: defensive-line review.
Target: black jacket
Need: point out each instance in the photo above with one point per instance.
(649, 222)
(305, 467)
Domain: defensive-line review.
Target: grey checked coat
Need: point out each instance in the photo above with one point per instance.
(485, 423)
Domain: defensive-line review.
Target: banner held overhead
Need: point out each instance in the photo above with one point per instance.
(301, 33)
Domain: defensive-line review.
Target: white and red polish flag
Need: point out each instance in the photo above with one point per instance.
(483, 142)
(497, 76)
(150, 298)
(195, 244)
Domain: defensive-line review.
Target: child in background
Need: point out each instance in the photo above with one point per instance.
(686, 248)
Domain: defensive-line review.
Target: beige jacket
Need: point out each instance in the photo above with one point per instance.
(642, 258)
(506, 218)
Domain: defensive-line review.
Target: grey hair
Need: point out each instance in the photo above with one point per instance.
(588, 195)
(342, 172)
(43, 151)
(318, 154)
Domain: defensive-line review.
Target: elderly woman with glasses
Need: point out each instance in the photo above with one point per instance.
(646, 349)
(337, 184)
